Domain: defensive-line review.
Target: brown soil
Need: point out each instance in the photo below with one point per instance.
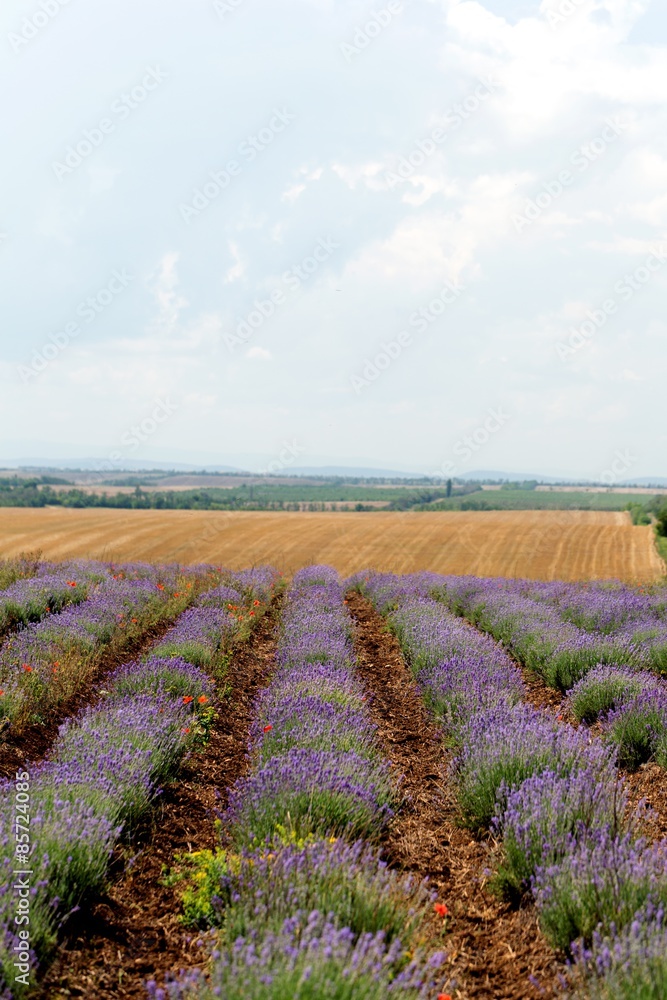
(33, 742)
(133, 933)
(649, 785)
(493, 950)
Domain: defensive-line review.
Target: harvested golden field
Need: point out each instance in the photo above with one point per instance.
(567, 545)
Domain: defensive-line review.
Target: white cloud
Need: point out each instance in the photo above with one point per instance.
(325, 176)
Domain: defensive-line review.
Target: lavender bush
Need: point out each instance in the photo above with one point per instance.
(20, 568)
(265, 886)
(30, 600)
(605, 688)
(312, 792)
(46, 663)
(639, 728)
(503, 747)
(309, 958)
(546, 813)
(629, 965)
(600, 883)
(200, 635)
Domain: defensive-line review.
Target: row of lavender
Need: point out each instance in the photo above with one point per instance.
(600, 667)
(303, 905)
(60, 828)
(50, 588)
(18, 568)
(551, 794)
(44, 664)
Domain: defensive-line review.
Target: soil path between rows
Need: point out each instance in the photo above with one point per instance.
(133, 932)
(494, 951)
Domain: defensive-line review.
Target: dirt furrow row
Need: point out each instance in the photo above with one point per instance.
(495, 952)
(132, 932)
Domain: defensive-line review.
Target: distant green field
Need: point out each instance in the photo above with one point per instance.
(537, 500)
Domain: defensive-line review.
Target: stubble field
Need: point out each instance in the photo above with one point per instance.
(548, 545)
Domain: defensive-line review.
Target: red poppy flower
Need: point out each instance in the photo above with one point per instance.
(441, 909)
(135, 620)
(27, 668)
(187, 698)
(186, 730)
(267, 729)
(252, 614)
(1, 693)
(160, 586)
(177, 593)
(71, 583)
(256, 603)
(202, 699)
(444, 996)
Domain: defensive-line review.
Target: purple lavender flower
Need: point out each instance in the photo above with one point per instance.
(639, 728)
(309, 957)
(502, 747)
(546, 812)
(628, 964)
(312, 792)
(605, 688)
(600, 883)
(46, 662)
(348, 881)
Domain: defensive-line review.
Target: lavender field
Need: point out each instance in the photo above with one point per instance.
(226, 784)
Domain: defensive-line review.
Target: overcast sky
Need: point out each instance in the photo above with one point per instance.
(426, 235)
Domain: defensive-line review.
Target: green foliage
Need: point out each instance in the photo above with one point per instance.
(524, 496)
(596, 696)
(638, 513)
(639, 733)
(661, 519)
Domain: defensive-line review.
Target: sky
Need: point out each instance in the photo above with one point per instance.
(425, 235)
